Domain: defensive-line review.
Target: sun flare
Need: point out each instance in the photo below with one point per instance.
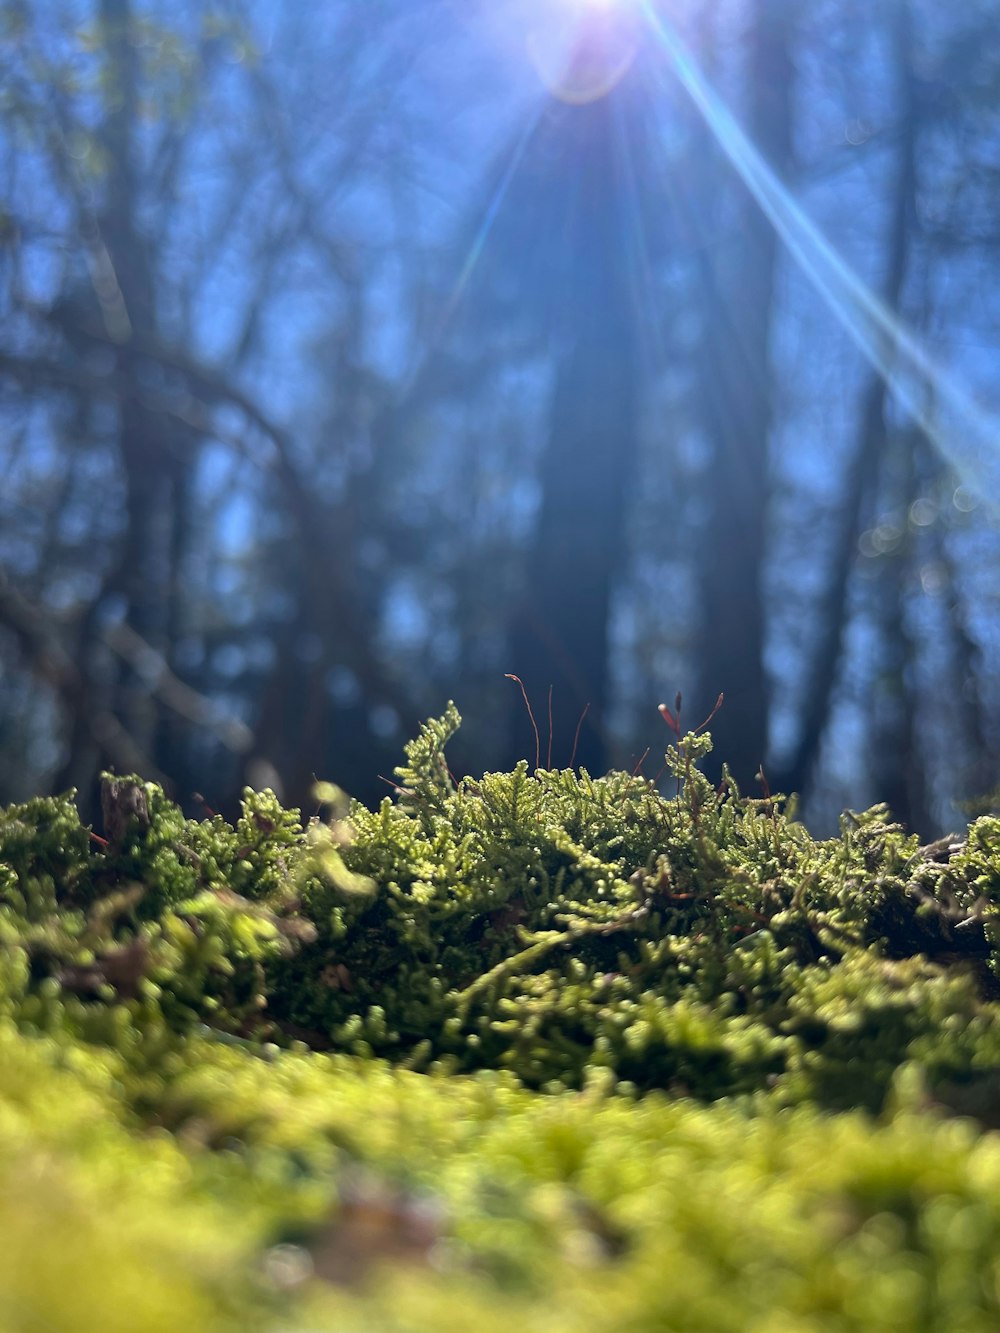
(583, 48)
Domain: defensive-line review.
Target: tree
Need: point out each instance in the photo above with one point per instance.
(153, 158)
(560, 635)
(737, 405)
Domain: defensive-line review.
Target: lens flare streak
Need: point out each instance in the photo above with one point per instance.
(928, 391)
(479, 240)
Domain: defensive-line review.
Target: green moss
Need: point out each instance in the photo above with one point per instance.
(599, 1058)
(552, 924)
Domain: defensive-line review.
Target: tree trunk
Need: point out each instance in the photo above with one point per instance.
(862, 476)
(897, 763)
(736, 386)
(125, 292)
(560, 636)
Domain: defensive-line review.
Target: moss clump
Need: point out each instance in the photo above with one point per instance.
(326, 1192)
(551, 924)
(619, 1060)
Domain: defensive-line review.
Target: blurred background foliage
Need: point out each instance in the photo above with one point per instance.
(353, 355)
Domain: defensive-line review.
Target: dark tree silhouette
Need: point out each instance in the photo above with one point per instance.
(560, 634)
(737, 387)
(859, 496)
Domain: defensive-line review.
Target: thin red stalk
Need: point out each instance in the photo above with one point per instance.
(671, 721)
(534, 725)
(548, 760)
(576, 738)
(718, 705)
(638, 768)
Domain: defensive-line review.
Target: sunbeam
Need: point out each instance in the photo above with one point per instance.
(478, 241)
(966, 434)
(490, 216)
(642, 281)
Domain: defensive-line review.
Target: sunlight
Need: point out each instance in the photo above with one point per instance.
(593, 5)
(583, 48)
(963, 432)
(477, 245)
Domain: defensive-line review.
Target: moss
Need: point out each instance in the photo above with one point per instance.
(548, 923)
(615, 1060)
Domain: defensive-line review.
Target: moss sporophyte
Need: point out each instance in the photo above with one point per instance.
(582, 966)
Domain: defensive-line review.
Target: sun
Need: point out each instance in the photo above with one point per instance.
(593, 6)
(583, 48)
(582, 11)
